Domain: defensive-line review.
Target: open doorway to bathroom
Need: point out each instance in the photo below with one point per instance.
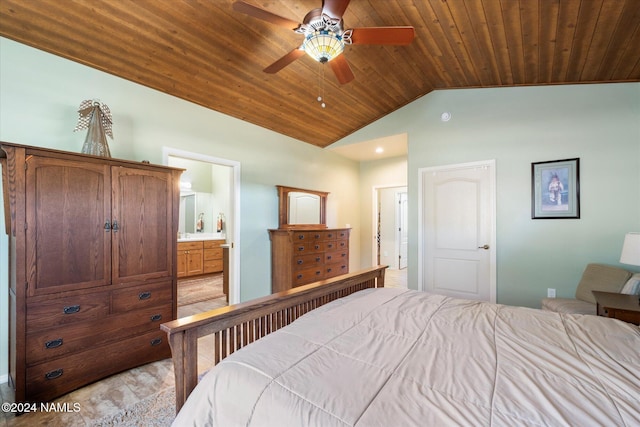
(207, 232)
(391, 233)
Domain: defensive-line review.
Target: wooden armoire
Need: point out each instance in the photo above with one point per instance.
(92, 250)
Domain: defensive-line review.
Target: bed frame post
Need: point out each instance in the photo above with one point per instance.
(238, 325)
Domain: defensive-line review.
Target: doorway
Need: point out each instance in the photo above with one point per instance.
(225, 204)
(457, 230)
(390, 230)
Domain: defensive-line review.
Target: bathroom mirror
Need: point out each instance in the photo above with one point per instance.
(187, 220)
(300, 208)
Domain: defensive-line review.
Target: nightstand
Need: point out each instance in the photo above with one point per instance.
(618, 306)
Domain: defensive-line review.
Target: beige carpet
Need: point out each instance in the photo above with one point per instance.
(157, 410)
(192, 290)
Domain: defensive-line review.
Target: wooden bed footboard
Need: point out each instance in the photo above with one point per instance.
(235, 326)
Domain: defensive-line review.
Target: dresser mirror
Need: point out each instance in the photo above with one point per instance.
(299, 208)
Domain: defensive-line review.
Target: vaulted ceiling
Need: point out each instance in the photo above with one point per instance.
(205, 52)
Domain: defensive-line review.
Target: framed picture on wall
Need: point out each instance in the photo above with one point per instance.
(555, 189)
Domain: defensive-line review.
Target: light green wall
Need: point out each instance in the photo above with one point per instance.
(39, 97)
(600, 124)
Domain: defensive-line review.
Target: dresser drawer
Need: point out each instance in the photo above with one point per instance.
(57, 342)
(302, 262)
(300, 248)
(335, 256)
(56, 377)
(309, 275)
(342, 244)
(335, 269)
(61, 311)
(141, 297)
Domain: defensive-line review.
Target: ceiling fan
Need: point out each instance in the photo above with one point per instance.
(325, 36)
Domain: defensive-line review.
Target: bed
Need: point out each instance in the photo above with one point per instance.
(368, 355)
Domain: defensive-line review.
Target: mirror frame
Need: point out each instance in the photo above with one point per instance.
(283, 208)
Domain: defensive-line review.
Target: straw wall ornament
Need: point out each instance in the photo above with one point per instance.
(96, 117)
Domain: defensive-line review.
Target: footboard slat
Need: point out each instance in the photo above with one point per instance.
(236, 326)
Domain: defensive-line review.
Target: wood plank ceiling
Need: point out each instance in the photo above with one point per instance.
(205, 52)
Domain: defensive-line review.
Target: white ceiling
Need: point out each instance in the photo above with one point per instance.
(392, 146)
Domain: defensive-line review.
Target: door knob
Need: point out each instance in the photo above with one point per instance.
(483, 247)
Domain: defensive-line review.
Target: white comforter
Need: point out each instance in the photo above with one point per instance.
(392, 357)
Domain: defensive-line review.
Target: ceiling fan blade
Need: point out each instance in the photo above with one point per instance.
(383, 35)
(334, 8)
(341, 69)
(259, 13)
(284, 61)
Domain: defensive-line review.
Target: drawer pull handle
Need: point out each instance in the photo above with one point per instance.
(71, 309)
(144, 295)
(115, 227)
(299, 262)
(301, 236)
(52, 375)
(53, 343)
(317, 259)
(107, 226)
(317, 246)
(156, 317)
(318, 273)
(156, 341)
(329, 256)
(301, 248)
(317, 236)
(329, 270)
(299, 276)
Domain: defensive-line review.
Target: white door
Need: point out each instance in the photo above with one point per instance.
(457, 230)
(403, 234)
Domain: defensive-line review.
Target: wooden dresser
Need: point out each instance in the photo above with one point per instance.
(92, 245)
(299, 257)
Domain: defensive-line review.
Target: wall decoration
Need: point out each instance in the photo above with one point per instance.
(555, 189)
(96, 117)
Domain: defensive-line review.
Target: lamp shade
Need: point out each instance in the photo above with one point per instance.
(323, 45)
(631, 249)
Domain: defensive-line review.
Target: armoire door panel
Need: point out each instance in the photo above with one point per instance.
(67, 206)
(142, 210)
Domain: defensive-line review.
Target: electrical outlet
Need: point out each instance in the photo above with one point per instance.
(551, 293)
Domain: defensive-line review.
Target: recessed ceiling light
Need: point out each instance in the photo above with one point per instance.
(379, 150)
(446, 116)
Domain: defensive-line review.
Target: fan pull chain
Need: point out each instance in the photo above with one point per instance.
(321, 85)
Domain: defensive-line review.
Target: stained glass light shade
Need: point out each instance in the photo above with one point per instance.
(323, 45)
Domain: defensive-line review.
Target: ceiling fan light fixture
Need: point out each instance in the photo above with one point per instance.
(323, 45)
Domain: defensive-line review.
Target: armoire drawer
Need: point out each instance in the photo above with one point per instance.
(56, 377)
(57, 342)
(61, 311)
(128, 299)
